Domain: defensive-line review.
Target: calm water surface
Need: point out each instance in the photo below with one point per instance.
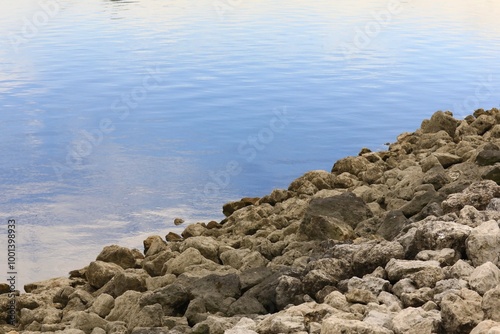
(118, 116)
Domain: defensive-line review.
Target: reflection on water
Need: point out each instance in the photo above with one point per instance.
(118, 116)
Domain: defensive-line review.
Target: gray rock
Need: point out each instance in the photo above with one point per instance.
(324, 272)
(482, 243)
(189, 257)
(153, 283)
(447, 159)
(288, 291)
(371, 255)
(369, 283)
(207, 246)
(173, 298)
(461, 311)
(121, 256)
(392, 302)
(148, 316)
(418, 297)
(126, 307)
(99, 273)
(484, 278)
(461, 269)
(153, 245)
(246, 305)
(130, 279)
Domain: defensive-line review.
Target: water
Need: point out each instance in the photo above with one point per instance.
(118, 116)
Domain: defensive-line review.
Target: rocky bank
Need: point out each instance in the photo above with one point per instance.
(399, 241)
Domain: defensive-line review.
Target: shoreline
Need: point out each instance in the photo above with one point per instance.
(391, 241)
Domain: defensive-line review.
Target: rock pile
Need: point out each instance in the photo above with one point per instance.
(399, 241)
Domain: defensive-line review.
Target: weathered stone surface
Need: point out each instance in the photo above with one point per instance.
(447, 159)
(288, 291)
(393, 223)
(483, 243)
(416, 321)
(352, 165)
(173, 298)
(87, 322)
(478, 194)
(484, 278)
(399, 269)
(189, 257)
(231, 207)
(487, 327)
(121, 256)
(440, 121)
(375, 254)
(99, 273)
(102, 305)
(130, 279)
(461, 311)
(334, 324)
(126, 307)
(491, 304)
(207, 246)
(153, 245)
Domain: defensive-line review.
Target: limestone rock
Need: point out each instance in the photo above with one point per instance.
(416, 321)
(399, 269)
(121, 256)
(478, 194)
(483, 243)
(102, 305)
(491, 304)
(440, 121)
(99, 273)
(334, 324)
(484, 278)
(461, 311)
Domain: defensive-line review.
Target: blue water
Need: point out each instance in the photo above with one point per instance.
(119, 116)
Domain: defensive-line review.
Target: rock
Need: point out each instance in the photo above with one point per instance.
(324, 272)
(488, 157)
(372, 284)
(153, 283)
(482, 243)
(178, 221)
(359, 296)
(288, 291)
(173, 237)
(417, 298)
(102, 305)
(149, 330)
(432, 234)
(324, 228)
(483, 123)
(121, 256)
(487, 327)
(461, 269)
(416, 321)
(423, 195)
(491, 304)
(375, 254)
(346, 207)
(126, 307)
(478, 194)
(399, 269)
(378, 318)
(337, 300)
(352, 165)
(246, 305)
(148, 316)
(446, 159)
(393, 223)
(334, 324)
(153, 245)
(461, 311)
(484, 278)
(193, 230)
(130, 279)
(173, 298)
(440, 121)
(189, 257)
(231, 207)
(492, 174)
(392, 302)
(445, 256)
(281, 323)
(154, 264)
(207, 246)
(99, 273)
(214, 324)
(87, 321)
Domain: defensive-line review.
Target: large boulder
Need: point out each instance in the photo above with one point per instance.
(478, 194)
(99, 273)
(440, 121)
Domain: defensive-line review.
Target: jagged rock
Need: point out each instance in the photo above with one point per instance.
(325, 272)
(288, 291)
(173, 298)
(440, 121)
(478, 194)
(214, 324)
(488, 156)
(99, 273)
(102, 305)
(189, 257)
(246, 305)
(231, 207)
(484, 278)
(130, 279)
(153, 283)
(352, 165)
(491, 304)
(399, 269)
(243, 326)
(153, 245)
(446, 159)
(393, 223)
(87, 321)
(461, 311)
(445, 256)
(392, 302)
(482, 243)
(483, 123)
(324, 228)
(461, 269)
(207, 246)
(154, 264)
(337, 300)
(487, 327)
(193, 230)
(121, 256)
(424, 194)
(173, 237)
(417, 298)
(148, 316)
(126, 307)
(372, 284)
(378, 318)
(371, 255)
(416, 321)
(334, 324)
